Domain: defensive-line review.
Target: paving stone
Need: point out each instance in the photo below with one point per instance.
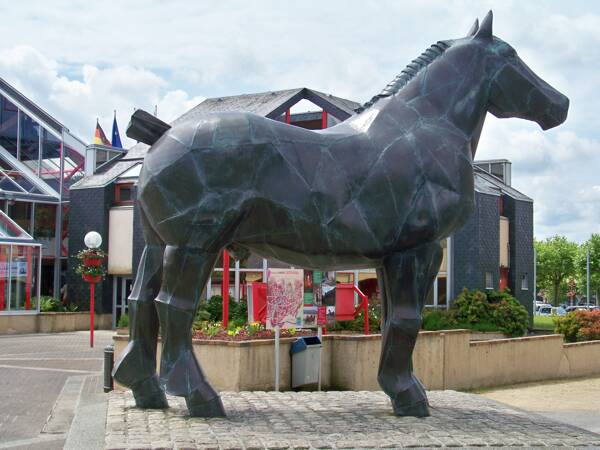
(336, 420)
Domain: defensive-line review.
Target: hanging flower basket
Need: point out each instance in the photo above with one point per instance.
(93, 260)
(90, 265)
(92, 278)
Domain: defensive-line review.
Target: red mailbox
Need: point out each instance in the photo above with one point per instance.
(344, 303)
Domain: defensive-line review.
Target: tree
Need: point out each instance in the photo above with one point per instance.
(581, 265)
(555, 261)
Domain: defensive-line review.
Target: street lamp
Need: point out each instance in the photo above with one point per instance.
(92, 240)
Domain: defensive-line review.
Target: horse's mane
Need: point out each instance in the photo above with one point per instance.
(409, 72)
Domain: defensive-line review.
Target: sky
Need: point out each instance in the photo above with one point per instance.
(82, 60)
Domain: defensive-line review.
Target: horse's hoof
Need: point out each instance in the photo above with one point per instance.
(412, 401)
(200, 408)
(420, 409)
(149, 395)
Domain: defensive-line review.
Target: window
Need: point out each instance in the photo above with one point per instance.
(9, 125)
(489, 280)
(524, 282)
(497, 169)
(124, 194)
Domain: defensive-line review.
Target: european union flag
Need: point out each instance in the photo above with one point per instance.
(116, 139)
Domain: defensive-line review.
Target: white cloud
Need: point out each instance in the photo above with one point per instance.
(80, 60)
(77, 103)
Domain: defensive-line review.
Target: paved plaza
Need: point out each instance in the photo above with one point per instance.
(259, 420)
(51, 398)
(51, 391)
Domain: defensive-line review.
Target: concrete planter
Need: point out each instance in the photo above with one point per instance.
(487, 335)
(442, 360)
(52, 322)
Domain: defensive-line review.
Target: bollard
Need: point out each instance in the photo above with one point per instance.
(109, 360)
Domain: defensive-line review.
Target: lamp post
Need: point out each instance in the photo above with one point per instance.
(92, 241)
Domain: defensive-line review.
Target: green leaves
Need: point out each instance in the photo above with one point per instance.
(481, 311)
(555, 262)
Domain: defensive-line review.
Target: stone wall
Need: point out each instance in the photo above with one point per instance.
(442, 360)
(52, 322)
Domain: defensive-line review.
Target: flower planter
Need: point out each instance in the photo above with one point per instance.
(92, 278)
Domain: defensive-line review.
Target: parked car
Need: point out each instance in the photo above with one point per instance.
(579, 308)
(542, 306)
(545, 310)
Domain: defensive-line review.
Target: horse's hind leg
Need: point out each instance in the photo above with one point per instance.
(137, 366)
(186, 271)
(407, 280)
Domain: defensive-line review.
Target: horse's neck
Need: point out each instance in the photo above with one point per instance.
(460, 100)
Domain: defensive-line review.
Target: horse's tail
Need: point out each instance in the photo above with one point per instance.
(145, 127)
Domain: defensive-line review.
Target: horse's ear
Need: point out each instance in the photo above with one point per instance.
(473, 29)
(485, 30)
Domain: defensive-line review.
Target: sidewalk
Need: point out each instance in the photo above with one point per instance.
(51, 391)
(576, 402)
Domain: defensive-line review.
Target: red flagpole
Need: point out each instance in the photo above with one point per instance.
(225, 289)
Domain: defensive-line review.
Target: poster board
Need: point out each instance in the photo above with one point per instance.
(285, 298)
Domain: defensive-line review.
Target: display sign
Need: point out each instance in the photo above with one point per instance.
(310, 316)
(321, 316)
(285, 298)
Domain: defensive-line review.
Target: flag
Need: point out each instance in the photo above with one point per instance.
(99, 136)
(116, 139)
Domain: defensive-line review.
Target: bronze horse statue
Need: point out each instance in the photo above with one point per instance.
(378, 190)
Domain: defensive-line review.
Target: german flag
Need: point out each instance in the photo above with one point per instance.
(99, 136)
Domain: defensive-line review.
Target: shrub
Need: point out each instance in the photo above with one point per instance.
(480, 311)
(439, 319)
(123, 321)
(211, 310)
(50, 304)
(510, 316)
(472, 307)
(579, 326)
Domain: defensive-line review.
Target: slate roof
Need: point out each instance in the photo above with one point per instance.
(105, 177)
(487, 183)
(269, 104)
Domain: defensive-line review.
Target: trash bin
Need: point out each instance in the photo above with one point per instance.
(306, 357)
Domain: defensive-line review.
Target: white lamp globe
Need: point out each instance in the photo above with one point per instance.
(92, 239)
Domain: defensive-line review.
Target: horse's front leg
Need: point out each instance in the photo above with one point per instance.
(407, 278)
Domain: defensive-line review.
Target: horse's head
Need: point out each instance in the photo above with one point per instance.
(514, 89)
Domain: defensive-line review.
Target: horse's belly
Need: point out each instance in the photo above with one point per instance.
(323, 261)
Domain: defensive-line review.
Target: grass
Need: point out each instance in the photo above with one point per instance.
(543, 323)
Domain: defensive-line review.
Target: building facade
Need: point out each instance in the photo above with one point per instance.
(40, 159)
(492, 251)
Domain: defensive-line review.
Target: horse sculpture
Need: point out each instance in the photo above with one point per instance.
(378, 190)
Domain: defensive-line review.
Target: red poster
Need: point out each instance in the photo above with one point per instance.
(321, 316)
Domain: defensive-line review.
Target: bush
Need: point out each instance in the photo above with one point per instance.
(439, 319)
(480, 311)
(510, 316)
(123, 321)
(50, 304)
(211, 310)
(579, 326)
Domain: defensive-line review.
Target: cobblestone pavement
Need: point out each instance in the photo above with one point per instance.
(272, 420)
